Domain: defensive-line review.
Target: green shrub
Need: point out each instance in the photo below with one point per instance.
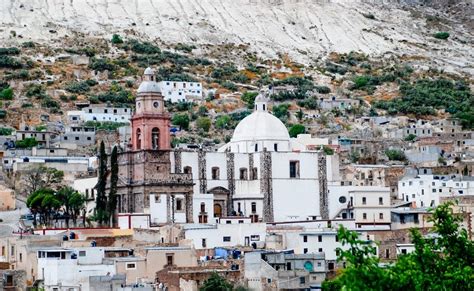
(249, 98)
(441, 35)
(281, 111)
(28, 44)
(203, 123)
(322, 89)
(6, 94)
(230, 86)
(309, 103)
(297, 129)
(116, 39)
(9, 62)
(25, 143)
(143, 47)
(184, 47)
(35, 90)
(78, 87)
(22, 74)
(50, 103)
(5, 131)
(224, 122)
(9, 51)
(3, 113)
(328, 150)
(102, 65)
(369, 15)
(395, 155)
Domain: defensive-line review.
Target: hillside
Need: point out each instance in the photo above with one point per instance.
(305, 29)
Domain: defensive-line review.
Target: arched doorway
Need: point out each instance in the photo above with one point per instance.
(217, 210)
(155, 138)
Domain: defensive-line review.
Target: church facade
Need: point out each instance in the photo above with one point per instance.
(260, 174)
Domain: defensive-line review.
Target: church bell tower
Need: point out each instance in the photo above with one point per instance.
(150, 122)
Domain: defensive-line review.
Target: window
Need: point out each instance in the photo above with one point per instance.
(380, 200)
(364, 201)
(65, 138)
(139, 139)
(381, 215)
(89, 138)
(105, 111)
(169, 259)
(342, 199)
(82, 253)
(130, 266)
(288, 266)
(302, 280)
(203, 243)
(188, 170)
(305, 238)
(203, 207)
(320, 238)
(215, 173)
(157, 198)
(320, 250)
(243, 174)
(21, 257)
(294, 169)
(275, 147)
(254, 174)
(336, 237)
(239, 207)
(364, 215)
(226, 239)
(256, 147)
(305, 251)
(387, 253)
(155, 138)
(404, 251)
(254, 207)
(179, 204)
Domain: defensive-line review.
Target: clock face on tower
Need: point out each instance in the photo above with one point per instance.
(156, 104)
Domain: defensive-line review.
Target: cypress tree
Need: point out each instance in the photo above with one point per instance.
(101, 199)
(112, 203)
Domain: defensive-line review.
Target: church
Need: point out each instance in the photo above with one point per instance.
(261, 174)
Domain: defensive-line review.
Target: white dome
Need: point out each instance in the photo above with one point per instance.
(149, 71)
(149, 87)
(260, 126)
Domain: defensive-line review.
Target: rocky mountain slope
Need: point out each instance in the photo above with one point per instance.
(305, 29)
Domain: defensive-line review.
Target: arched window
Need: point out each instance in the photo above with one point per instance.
(254, 207)
(215, 173)
(203, 207)
(254, 174)
(155, 138)
(139, 139)
(243, 174)
(263, 106)
(188, 170)
(256, 147)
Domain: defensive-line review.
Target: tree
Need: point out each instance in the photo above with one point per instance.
(297, 129)
(36, 178)
(72, 201)
(443, 260)
(328, 150)
(181, 120)
(28, 142)
(410, 137)
(223, 122)
(203, 123)
(216, 283)
(43, 202)
(112, 203)
(101, 199)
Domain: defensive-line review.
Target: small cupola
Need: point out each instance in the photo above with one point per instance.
(261, 102)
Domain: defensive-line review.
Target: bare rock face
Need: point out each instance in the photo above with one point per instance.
(303, 29)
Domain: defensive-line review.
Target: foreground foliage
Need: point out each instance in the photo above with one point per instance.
(443, 260)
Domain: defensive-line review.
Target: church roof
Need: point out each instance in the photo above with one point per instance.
(260, 125)
(149, 85)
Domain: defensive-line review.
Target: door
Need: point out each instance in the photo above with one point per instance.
(247, 241)
(217, 210)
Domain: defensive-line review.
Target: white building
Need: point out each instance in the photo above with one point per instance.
(181, 91)
(100, 114)
(225, 235)
(426, 190)
(85, 186)
(70, 269)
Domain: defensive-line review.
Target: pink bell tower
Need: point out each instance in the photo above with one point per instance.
(150, 122)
